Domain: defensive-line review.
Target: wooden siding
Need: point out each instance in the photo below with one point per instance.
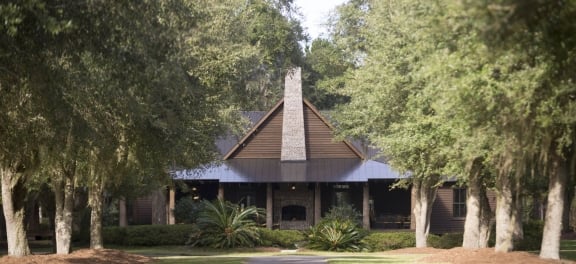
(442, 219)
(142, 211)
(264, 143)
(319, 139)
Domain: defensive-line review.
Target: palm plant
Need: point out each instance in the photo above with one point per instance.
(335, 235)
(222, 224)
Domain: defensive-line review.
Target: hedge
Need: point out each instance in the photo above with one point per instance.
(147, 235)
(381, 241)
(280, 238)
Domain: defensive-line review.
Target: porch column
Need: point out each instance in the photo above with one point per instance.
(269, 206)
(171, 206)
(122, 212)
(317, 203)
(220, 191)
(366, 207)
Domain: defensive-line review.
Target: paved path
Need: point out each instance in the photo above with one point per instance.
(288, 259)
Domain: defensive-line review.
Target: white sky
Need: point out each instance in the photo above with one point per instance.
(316, 14)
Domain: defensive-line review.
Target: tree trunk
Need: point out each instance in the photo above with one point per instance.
(13, 194)
(504, 215)
(64, 196)
(553, 223)
(424, 194)
(96, 206)
(123, 220)
(478, 213)
(159, 207)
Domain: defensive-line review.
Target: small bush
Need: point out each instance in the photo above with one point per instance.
(114, 235)
(187, 210)
(280, 238)
(222, 224)
(379, 241)
(532, 236)
(532, 240)
(446, 241)
(147, 235)
(336, 236)
(343, 213)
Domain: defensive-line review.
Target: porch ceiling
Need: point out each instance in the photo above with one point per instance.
(274, 170)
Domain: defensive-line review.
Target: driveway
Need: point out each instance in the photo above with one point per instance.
(288, 259)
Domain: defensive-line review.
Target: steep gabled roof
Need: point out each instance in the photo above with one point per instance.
(253, 130)
(319, 132)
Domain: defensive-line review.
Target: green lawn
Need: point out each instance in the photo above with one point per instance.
(568, 249)
(333, 258)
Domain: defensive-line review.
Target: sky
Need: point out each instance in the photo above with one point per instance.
(315, 14)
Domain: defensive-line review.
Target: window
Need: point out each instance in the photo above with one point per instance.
(341, 195)
(459, 202)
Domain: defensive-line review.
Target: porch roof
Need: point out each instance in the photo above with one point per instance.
(273, 170)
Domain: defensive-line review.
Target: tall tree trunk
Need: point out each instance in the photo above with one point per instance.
(504, 215)
(478, 213)
(96, 205)
(424, 195)
(64, 196)
(13, 204)
(517, 208)
(553, 223)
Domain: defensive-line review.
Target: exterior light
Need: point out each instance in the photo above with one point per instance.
(293, 187)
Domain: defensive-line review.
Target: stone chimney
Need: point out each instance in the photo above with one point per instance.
(293, 137)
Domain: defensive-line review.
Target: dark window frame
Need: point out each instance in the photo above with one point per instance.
(459, 202)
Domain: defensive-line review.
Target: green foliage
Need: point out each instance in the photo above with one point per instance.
(187, 209)
(532, 236)
(222, 224)
(147, 235)
(447, 241)
(111, 213)
(336, 235)
(114, 235)
(280, 238)
(381, 241)
(343, 213)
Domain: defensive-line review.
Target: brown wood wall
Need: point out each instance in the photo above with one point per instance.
(266, 142)
(142, 211)
(319, 139)
(442, 219)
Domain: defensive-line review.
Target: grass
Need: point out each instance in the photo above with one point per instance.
(408, 258)
(332, 258)
(201, 260)
(568, 249)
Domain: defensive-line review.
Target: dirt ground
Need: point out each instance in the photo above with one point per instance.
(455, 255)
(83, 256)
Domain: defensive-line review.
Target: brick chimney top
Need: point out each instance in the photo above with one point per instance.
(293, 136)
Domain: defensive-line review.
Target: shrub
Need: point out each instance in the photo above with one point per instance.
(147, 235)
(114, 235)
(280, 238)
(344, 212)
(532, 236)
(336, 236)
(222, 224)
(379, 241)
(187, 210)
(448, 240)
